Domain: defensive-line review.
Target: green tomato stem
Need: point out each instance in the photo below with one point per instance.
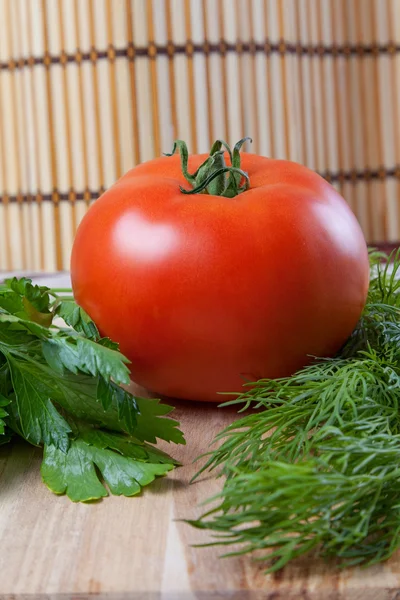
(214, 176)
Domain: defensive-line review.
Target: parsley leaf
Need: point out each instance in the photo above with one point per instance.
(27, 301)
(10, 324)
(152, 422)
(3, 402)
(126, 445)
(76, 353)
(111, 394)
(38, 296)
(65, 349)
(5, 380)
(73, 472)
(147, 419)
(78, 319)
(116, 458)
(39, 419)
(77, 394)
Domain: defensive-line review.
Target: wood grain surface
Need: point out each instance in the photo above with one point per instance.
(136, 548)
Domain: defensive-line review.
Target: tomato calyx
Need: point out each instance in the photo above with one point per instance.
(214, 176)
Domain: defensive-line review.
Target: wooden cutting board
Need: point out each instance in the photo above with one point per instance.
(136, 548)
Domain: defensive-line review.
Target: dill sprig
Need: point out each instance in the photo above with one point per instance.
(316, 463)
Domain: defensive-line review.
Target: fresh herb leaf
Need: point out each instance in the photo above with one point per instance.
(11, 302)
(74, 472)
(107, 343)
(4, 401)
(126, 445)
(147, 419)
(152, 422)
(3, 413)
(39, 420)
(10, 324)
(27, 301)
(111, 394)
(82, 397)
(78, 395)
(66, 349)
(5, 379)
(76, 353)
(37, 295)
(13, 420)
(78, 319)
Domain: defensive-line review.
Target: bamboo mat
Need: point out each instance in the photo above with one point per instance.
(89, 88)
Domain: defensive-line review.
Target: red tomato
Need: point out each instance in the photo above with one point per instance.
(205, 292)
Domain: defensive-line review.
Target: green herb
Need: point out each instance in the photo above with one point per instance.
(124, 463)
(60, 387)
(316, 463)
(3, 413)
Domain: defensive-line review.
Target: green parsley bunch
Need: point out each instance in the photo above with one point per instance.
(60, 388)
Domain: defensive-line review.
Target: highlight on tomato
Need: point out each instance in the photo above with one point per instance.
(213, 270)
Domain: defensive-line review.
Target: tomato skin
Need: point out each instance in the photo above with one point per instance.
(204, 292)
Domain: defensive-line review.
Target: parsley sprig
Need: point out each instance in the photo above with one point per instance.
(60, 388)
(315, 464)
